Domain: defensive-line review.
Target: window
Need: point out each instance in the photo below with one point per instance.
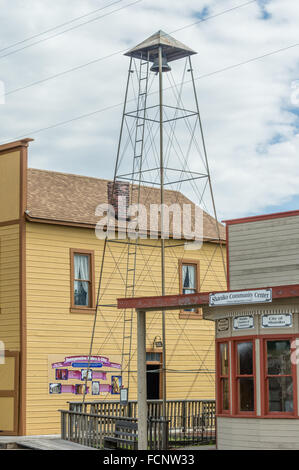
(236, 387)
(189, 283)
(244, 377)
(189, 278)
(82, 280)
(223, 378)
(278, 376)
(154, 375)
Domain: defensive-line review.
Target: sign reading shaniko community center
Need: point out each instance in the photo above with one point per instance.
(240, 297)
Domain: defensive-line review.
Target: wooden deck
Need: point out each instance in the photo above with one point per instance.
(40, 443)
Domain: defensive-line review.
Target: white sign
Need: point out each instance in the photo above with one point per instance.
(243, 323)
(277, 321)
(240, 297)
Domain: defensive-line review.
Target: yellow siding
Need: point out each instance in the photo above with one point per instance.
(9, 287)
(9, 186)
(53, 330)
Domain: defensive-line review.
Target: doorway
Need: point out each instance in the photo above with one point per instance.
(9, 394)
(153, 375)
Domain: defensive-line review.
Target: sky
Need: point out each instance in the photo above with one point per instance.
(250, 112)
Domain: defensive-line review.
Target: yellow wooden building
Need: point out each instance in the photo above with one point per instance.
(47, 226)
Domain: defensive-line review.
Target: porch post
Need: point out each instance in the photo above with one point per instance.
(141, 376)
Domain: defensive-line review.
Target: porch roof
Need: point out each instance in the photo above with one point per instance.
(201, 299)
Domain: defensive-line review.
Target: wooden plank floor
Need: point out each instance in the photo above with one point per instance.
(42, 443)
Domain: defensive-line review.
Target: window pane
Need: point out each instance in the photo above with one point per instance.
(246, 394)
(81, 267)
(151, 356)
(225, 394)
(245, 358)
(279, 357)
(223, 359)
(280, 393)
(189, 291)
(189, 277)
(188, 282)
(81, 294)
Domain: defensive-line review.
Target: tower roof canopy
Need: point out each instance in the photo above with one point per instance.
(172, 48)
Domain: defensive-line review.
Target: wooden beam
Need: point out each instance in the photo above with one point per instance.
(177, 301)
(167, 302)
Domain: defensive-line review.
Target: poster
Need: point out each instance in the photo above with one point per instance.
(115, 384)
(67, 374)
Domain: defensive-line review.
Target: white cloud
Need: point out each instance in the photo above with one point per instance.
(244, 110)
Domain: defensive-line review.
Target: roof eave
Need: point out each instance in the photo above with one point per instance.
(15, 144)
(69, 223)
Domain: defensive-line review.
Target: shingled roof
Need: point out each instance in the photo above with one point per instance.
(72, 199)
(172, 48)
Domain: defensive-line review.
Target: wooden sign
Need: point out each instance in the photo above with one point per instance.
(277, 321)
(222, 324)
(243, 323)
(240, 297)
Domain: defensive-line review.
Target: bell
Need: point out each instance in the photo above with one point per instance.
(165, 66)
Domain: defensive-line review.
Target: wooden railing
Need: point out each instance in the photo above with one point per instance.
(188, 421)
(88, 429)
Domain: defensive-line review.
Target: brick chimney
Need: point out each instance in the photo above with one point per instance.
(118, 198)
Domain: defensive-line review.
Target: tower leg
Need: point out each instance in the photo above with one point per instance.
(141, 362)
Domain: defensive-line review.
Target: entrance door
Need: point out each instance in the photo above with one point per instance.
(9, 394)
(153, 375)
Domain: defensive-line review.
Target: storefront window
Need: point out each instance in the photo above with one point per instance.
(279, 380)
(245, 376)
(224, 377)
